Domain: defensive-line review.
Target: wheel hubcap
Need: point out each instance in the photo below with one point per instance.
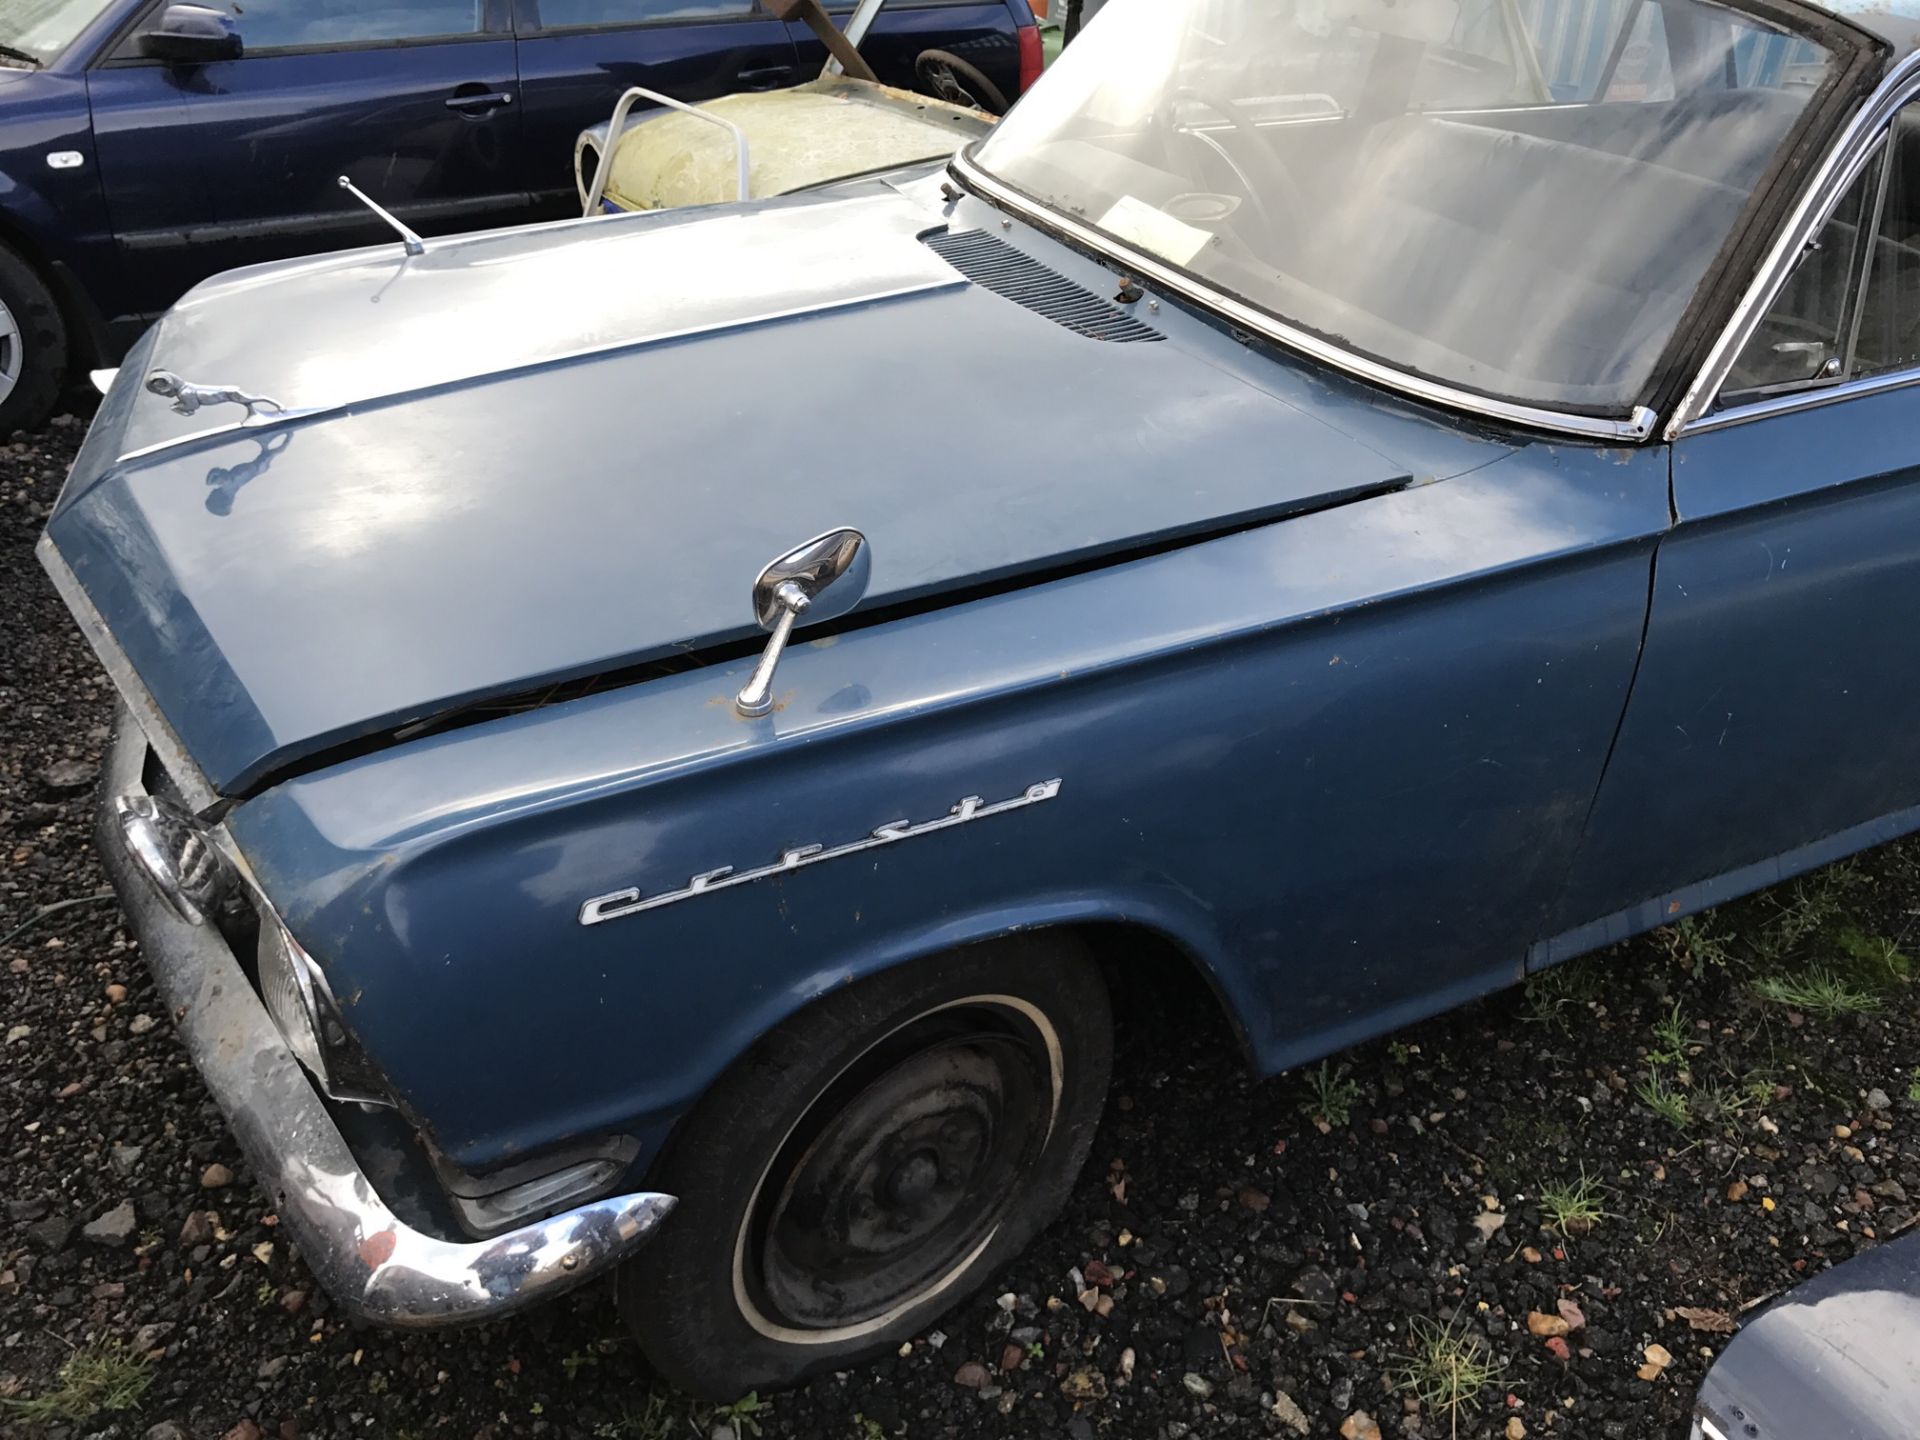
(11, 354)
(900, 1169)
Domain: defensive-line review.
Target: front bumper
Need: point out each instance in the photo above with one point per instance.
(377, 1267)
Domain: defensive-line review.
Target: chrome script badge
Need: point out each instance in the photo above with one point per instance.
(629, 902)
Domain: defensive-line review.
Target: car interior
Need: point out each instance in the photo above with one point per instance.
(1357, 215)
(1825, 327)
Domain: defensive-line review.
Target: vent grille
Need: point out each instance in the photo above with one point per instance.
(997, 266)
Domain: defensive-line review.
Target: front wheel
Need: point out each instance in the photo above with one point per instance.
(33, 345)
(869, 1163)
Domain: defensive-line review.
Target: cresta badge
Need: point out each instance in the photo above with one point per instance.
(621, 903)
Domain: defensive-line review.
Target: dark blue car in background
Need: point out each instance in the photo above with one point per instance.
(145, 146)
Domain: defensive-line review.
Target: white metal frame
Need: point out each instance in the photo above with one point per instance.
(590, 202)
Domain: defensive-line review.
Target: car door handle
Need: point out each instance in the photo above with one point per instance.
(764, 77)
(482, 103)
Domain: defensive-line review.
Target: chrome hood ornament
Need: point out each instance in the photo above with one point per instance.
(622, 903)
(189, 398)
(822, 580)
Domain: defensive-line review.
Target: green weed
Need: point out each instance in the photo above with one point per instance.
(1555, 996)
(1330, 1095)
(1673, 1034)
(1818, 991)
(100, 1377)
(1697, 943)
(1664, 1099)
(1448, 1371)
(1573, 1207)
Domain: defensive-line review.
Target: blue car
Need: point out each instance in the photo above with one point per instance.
(146, 146)
(651, 744)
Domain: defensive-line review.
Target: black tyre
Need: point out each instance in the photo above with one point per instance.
(869, 1163)
(33, 345)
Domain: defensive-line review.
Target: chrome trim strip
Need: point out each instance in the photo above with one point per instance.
(194, 789)
(1838, 170)
(254, 424)
(1803, 400)
(621, 903)
(375, 1265)
(1638, 426)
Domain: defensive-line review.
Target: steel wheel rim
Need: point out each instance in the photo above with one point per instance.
(11, 351)
(899, 1173)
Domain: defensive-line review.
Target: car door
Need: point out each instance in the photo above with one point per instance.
(1772, 725)
(577, 56)
(415, 100)
(155, 181)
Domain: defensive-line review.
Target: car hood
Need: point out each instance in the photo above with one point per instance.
(1836, 1357)
(531, 457)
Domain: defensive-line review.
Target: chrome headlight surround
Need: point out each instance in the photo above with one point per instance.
(175, 854)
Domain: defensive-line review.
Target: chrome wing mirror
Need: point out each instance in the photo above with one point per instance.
(822, 580)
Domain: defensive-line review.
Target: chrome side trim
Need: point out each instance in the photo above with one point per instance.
(1837, 171)
(1803, 400)
(194, 789)
(378, 1268)
(542, 362)
(621, 903)
(1637, 426)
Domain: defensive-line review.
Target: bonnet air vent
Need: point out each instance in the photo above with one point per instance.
(997, 266)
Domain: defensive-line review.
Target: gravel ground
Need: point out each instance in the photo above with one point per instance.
(1260, 1259)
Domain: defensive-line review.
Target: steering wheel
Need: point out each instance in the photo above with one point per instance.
(1228, 110)
(945, 76)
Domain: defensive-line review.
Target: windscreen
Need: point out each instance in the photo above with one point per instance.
(1514, 197)
(38, 30)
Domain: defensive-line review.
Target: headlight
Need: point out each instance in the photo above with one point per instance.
(287, 985)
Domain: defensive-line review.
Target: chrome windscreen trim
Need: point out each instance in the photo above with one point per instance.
(1636, 427)
(1803, 400)
(199, 796)
(1837, 171)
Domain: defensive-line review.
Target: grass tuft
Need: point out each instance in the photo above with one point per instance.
(1664, 1099)
(1818, 991)
(1573, 1207)
(1448, 1370)
(1555, 996)
(99, 1377)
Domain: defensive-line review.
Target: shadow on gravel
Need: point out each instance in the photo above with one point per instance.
(1535, 1216)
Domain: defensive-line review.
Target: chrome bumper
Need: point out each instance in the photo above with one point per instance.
(375, 1266)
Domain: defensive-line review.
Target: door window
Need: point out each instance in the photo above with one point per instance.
(327, 24)
(590, 14)
(1851, 308)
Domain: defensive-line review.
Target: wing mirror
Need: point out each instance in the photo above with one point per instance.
(191, 35)
(822, 580)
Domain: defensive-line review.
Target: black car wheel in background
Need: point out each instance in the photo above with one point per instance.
(33, 345)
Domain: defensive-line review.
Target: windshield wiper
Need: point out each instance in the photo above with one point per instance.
(14, 52)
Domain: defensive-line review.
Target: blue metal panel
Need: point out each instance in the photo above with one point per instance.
(1774, 705)
(276, 622)
(1343, 760)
